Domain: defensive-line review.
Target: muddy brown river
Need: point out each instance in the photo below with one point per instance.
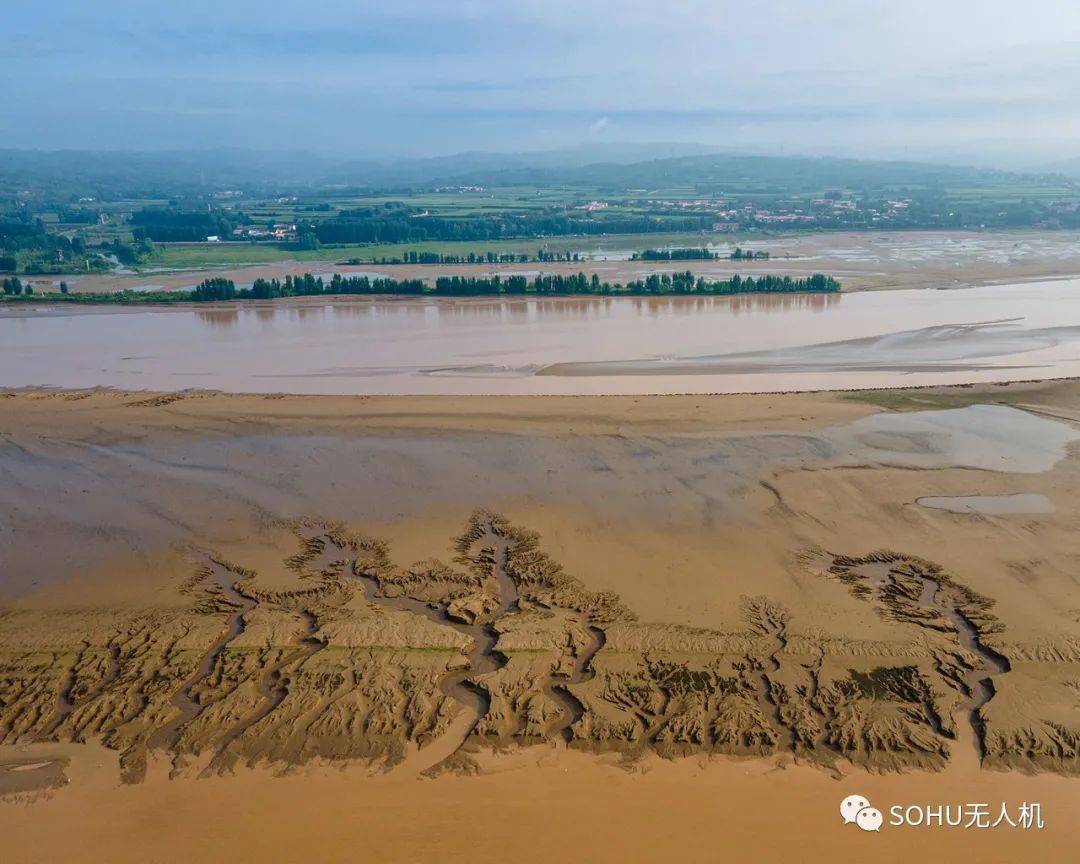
(555, 346)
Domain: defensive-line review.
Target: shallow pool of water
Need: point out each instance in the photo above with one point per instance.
(987, 437)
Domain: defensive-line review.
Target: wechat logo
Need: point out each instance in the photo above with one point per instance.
(857, 809)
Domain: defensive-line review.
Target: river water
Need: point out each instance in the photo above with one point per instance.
(554, 346)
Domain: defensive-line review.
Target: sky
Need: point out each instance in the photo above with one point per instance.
(981, 81)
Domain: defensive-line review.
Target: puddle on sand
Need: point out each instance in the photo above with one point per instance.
(987, 437)
(990, 505)
(29, 774)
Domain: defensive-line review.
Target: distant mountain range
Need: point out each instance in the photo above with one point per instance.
(223, 168)
(1067, 167)
(479, 166)
(602, 166)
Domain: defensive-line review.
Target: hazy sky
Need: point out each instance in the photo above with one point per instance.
(995, 80)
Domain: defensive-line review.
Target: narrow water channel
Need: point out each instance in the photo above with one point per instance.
(977, 682)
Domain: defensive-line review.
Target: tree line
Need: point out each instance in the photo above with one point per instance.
(697, 255)
(544, 285)
(396, 222)
(412, 257)
(403, 225)
(309, 286)
(542, 256)
(655, 285)
(748, 255)
(168, 225)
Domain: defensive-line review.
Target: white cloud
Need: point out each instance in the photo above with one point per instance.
(598, 126)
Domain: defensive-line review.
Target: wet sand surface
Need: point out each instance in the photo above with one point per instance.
(561, 346)
(636, 628)
(536, 807)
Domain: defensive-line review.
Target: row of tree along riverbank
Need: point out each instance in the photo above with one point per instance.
(542, 286)
(655, 285)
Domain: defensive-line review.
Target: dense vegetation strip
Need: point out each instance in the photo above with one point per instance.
(219, 288)
(697, 255)
(542, 256)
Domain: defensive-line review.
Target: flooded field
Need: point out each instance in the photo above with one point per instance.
(863, 260)
(561, 346)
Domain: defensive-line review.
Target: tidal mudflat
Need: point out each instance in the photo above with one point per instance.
(410, 608)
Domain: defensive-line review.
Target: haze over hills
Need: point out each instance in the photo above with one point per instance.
(126, 171)
(487, 166)
(715, 172)
(604, 166)
(1067, 167)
